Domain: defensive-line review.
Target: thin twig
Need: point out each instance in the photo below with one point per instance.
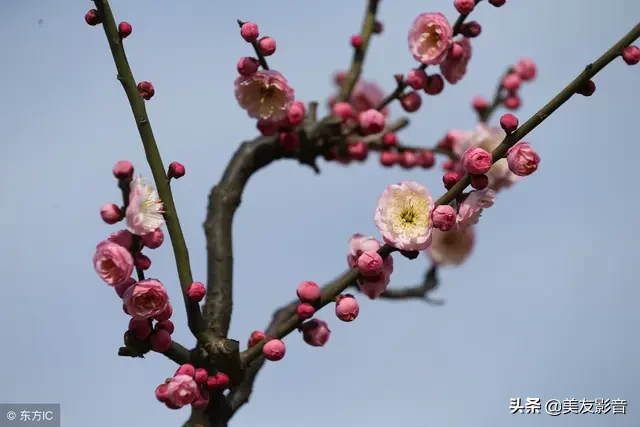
(261, 59)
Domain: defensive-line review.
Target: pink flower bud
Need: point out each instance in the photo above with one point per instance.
(455, 52)
(344, 110)
(154, 239)
(408, 159)
(479, 182)
(448, 165)
(162, 393)
(371, 121)
(526, 69)
(246, 66)
(160, 341)
(471, 29)
(175, 171)
(146, 90)
(631, 55)
(196, 291)
(417, 78)
(435, 85)
(255, 338)
(479, 104)
(167, 325)
(122, 288)
(315, 332)
(201, 376)
(378, 27)
(141, 261)
(124, 29)
(308, 292)
(249, 32)
(123, 169)
(305, 311)
(497, 3)
(511, 82)
(182, 390)
(93, 17)
(273, 350)
(476, 161)
(202, 400)
(587, 89)
(390, 139)
(512, 102)
(267, 127)
(509, 123)
(166, 313)
(358, 150)
(450, 179)
(370, 263)
(267, 46)
(388, 158)
(186, 369)
(111, 213)
(140, 328)
(411, 102)
(347, 308)
(356, 41)
(222, 380)
(427, 159)
(296, 113)
(522, 159)
(289, 141)
(443, 217)
(464, 7)
(123, 238)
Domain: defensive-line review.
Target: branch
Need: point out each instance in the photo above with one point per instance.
(359, 52)
(429, 283)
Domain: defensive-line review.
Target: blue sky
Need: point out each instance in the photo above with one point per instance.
(546, 307)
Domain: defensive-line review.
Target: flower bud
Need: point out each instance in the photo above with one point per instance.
(450, 179)
(476, 161)
(249, 32)
(443, 217)
(408, 159)
(315, 332)
(246, 66)
(176, 170)
(479, 182)
(358, 150)
(435, 85)
(196, 291)
(201, 376)
(344, 110)
(222, 380)
(471, 29)
(308, 292)
(411, 102)
(111, 213)
(390, 139)
(347, 308)
(154, 239)
(427, 159)
(166, 314)
(588, 88)
(162, 393)
(305, 311)
(497, 3)
(140, 328)
(274, 350)
(93, 17)
(255, 338)
(370, 263)
(509, 123)
(124, 29)
(512, 102)
(417, 78)
(146, 90)
(296, 113)
(266, 46)
(522, 159)
(167, 325)
(160, 341)
(356, 41)
(371, 121)
(631, 55)
(141, 261)
(123, 169)
(511, 82)
(186, 369)
(464, 7)
(388, 158)
(526, 69)
(479, 104)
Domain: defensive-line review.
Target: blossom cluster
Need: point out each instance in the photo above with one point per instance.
(190, 386)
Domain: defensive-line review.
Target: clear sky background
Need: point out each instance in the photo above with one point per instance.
(546, 307)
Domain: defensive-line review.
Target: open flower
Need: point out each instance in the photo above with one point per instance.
(265, 94)
(182, 390)
(430, 37)
(144, 213)
(146, 299)
(372, 287)
(113, 263)
(403, 216)
(470, 210)
(488, 138)
(453, 70)
(451, 247)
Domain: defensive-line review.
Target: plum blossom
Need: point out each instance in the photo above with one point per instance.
(403, 216)
(146, 299)
(365, 96)
(371, 286)
(430, 37)
(182, 390)
(451, 247)
(144, 213)
(265, 95)
(471, 208)
(522, 159)
(113, 263)
(488, 138)
(453, 70)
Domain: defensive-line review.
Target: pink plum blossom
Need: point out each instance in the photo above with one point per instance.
(403, 216)
(144, 213)
(182, 390)
(443, 217)
(145, 299)
(358, 244)
(430, 37)
(452, 247)
(522, 159)
(265, 94)
(113, 263)
(454, 70)
(471, 208)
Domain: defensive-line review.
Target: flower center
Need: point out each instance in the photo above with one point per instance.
(266, 92)
(430, 39)
(412, 215)
(108, 265)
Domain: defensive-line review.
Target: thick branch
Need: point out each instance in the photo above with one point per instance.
(125, 76)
